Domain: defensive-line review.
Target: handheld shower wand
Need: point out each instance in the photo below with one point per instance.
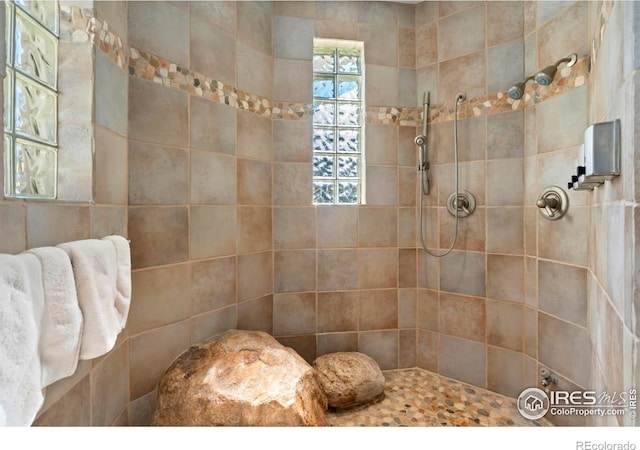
(421, 142)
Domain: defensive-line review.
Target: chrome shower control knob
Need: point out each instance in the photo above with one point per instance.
(553, 203)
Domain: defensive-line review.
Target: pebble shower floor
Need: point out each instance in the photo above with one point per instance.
(418, 398)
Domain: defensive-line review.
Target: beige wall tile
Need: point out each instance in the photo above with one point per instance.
(292, 37)
(408, 181)
(377, 268)
(426, 43)
(378, 80)
(504, 372)
(111, 167)
(222, 14)
(330, 29)
(294, 227)
(504, 182)
(471, 139)
(254, 229)
(151, 353)
(563, 291)
(505, 66)
(213, 284)
(254, 25)
(407, 47)
(382, 185)
(471, 230)
(291, 140)
(407, 267)
(213, 231)
(157, 114)
(158, 175)
(380, 42)
(160, 296)
(407, 348)
(337, 311)
(72, 223)
(249, 79)
(505, 134)
(213, 51)
(462, 360)
(255, 136)
(378, 310)
(406, 227)
(337, 226)
(453, 41)
(428, 271)
(531, 332)
(447, 8)
(304, 345)
(338, 11)
(427, 350)
(292, 89)
(337, 342)
(382, 144)
(109, 391)
(158, 235)
(294, 313)
(295, 9)
(428, 306)
(531, 282)
(504, 230)
(208, 325)
(564, 239)
(377, 227)
(563, 35)
(13, 228)
(505, 277)
(337, 270)
(292, 184)
(148, 23)
(254, 182)
(505, 325)
(256, 314)
(222, 137)
(570, 360)
(505, 21)
(562, 119)
(73, 409)
(462, 74)
(110, 95)
(294, 270)
(213, 178)
(462, 316)
(407, 307)
(255, 275)
(470, 280)
(108, 220)
(141, 410)
(381, 346)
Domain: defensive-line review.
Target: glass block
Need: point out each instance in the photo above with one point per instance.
(8, 151)
(36, 50)
(324, 87)
(324, 139)
(348, 88)
(349, 140)
(45, 11)
(35, 110)
(349, 114)
(8, 96)
(348, 61)
(8, 31)
(35, 170)
(348, 166)
(323, 166)
(347, 192)
(324, 60)
(323, 192)
(324, 113)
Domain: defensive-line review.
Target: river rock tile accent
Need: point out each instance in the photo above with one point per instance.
(81, 25)
(418, 398)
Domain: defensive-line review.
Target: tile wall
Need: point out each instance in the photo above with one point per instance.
(223, 233)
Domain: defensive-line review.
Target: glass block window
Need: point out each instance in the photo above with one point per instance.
(31, 99)
(338, 122)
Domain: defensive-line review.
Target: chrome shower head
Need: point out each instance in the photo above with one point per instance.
(516, 91)
(546, 75)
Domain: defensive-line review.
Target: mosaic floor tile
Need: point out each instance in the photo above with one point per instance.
(418, 398)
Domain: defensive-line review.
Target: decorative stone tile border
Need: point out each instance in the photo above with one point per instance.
(81, 25)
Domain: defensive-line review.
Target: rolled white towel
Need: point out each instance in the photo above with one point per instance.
(61, 330)
(123, 283)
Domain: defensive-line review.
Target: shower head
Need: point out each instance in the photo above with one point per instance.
(420, 140)
(546, 75)
(516, 91)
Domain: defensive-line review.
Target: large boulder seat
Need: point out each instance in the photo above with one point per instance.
(239, 378)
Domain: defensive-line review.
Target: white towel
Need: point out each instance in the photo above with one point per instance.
(21, 305)
(123, 283)
(61, 328)
(94, 263)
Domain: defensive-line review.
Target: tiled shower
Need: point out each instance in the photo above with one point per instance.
(187, 128)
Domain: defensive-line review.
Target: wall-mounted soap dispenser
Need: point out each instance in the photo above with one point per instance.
(599, 157)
